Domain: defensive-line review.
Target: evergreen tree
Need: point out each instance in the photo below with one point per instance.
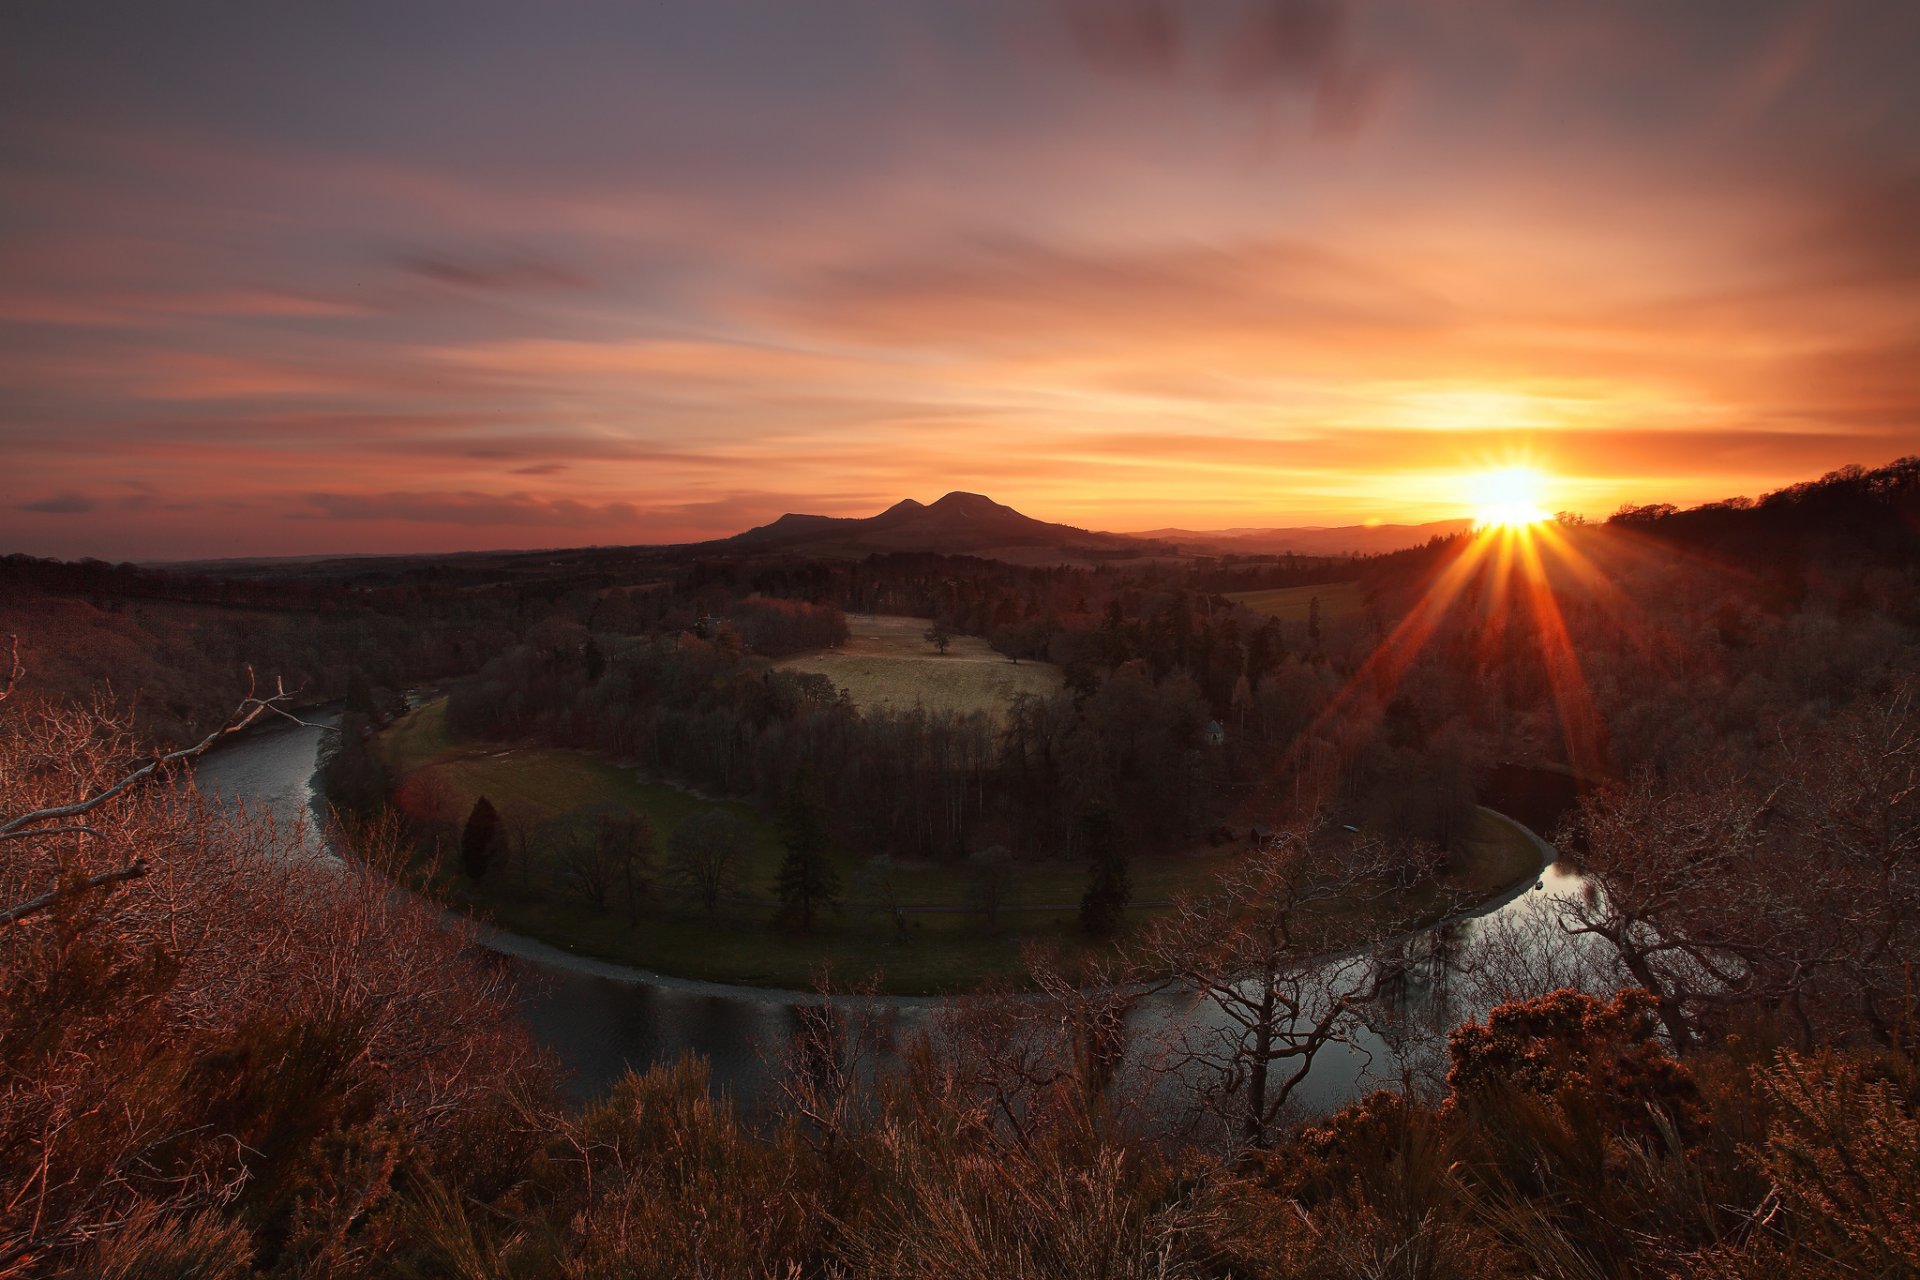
(806, 883)
(1265, 650)
(360, 699)
(478, 840)
(1313, 621)
(1109, 886)
(351, 776)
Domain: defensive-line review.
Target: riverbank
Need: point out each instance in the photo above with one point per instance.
(906, 929)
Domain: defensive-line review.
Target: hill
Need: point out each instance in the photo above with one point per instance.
(957, 524)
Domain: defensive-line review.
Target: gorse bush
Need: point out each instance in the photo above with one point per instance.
(199, 1017)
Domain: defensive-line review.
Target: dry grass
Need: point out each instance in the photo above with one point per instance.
(887, 662)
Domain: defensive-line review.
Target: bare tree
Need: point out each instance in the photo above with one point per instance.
(989, 881)
(625, 840)
(578, 867)
(836, 1040)
(1854, 795)
(874, 890)
(706, 854)
(1517, 955)
(1028, 1064)
(1278, 957)
(1692, 896)
(519, 823)
(603, 854)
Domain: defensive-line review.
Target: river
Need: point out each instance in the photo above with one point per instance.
(599, 1019)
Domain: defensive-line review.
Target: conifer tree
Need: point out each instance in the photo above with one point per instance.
(807, 883)
(1109, 886)
(478, 840)
(360, 699)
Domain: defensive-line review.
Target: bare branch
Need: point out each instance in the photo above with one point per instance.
(133, 871)
(1282, 951)
(30, 833)
(251, 708)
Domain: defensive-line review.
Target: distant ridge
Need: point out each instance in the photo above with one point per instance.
(1312, 540)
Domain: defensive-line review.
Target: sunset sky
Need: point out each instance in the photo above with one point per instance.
(345, 278)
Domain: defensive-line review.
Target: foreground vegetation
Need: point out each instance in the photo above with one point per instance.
(216, 1065)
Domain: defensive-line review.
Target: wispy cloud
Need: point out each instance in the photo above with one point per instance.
(63, 504)
(510, 509)
(504, 268)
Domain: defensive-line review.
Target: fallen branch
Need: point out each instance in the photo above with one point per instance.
(133, 871)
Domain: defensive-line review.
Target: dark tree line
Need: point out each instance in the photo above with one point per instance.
(1856, 512)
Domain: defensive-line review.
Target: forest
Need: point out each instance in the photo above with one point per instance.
(217, 1062)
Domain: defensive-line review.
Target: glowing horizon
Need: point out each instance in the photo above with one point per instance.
(1509, 498)
(281, 283)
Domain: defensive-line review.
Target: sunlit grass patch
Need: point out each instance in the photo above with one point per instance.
(1293, 604)
(888, 662)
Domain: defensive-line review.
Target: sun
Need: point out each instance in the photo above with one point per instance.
(1507, 498)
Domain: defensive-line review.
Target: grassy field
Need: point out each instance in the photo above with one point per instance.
(1290, 604)
(947, 948)
(887, 662)
(536, 784)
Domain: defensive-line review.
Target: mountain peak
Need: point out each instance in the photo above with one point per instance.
(961, 500)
